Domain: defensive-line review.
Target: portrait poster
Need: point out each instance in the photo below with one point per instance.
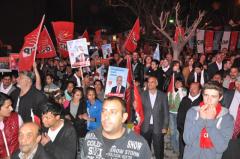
(106, 50)
(116, 82)
(78, 53)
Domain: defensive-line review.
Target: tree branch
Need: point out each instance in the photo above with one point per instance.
(178, 23)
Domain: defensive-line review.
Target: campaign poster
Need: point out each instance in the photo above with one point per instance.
(4, 64)
(116, 82)
(78, 53)
(106, 50)
(13, 61)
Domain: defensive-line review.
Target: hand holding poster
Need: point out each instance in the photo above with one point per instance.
(106, 50)
(78, 53)
(116, 82)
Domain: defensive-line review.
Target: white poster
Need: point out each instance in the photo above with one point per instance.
(200, 41)
(116, 82)
(225, 40)
(106, 50)
(78, 53)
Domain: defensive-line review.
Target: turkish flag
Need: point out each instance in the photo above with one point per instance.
(29, 49)
(45, 45)
(138, 110)
(209, 35)
(171, 85)
(86, 35)
(63, 32)
(133, 37)
(179, 33)
(234, 39)
(129, 88)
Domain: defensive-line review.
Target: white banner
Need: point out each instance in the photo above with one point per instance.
(78, 53)
(225, 40)
(200, 41)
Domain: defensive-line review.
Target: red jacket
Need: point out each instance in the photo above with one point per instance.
(11, 128)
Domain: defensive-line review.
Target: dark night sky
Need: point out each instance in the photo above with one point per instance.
(19, 17)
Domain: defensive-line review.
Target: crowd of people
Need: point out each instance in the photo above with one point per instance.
(59, 112)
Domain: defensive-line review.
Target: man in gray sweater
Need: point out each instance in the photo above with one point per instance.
(113, 140)
(208, 127)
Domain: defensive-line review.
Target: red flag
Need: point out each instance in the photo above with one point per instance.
(209, 35)
(234, 39)
(63, 32)
(171, 85)
(129, 87)
(133, 37)
(86, 35)
(45, 45)
(179, 33)
(138, 110)
(14, 59)
(29, 49)
(98, 38)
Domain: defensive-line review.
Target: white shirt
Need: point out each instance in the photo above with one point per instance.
(152, 100)
(78, 81)
(193, 98)
(233, 109)
(219, 65)
(165, 68)
(53, 133)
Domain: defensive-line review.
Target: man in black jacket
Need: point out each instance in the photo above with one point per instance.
(29, 147)
(59, 139)
(193, 99)
(27, 99)
(138, 68)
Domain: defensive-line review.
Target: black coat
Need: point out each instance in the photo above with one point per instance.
(138, 73)
(40, 154)
(65, 144)
(191, 78)
(184, 106)
(212, 69)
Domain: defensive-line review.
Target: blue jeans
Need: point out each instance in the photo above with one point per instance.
(174, 137)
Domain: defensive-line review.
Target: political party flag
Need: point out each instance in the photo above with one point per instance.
(225, 40)
(13, 61)
(45, 45)
(128, 95)
(138, 110)
(133, 37)
(209, 41)
(156, 54)
(63, 33)
(200, 41)
(35, 118)
(29, 49)
(179, 33)
(217, 39)
(234, 40)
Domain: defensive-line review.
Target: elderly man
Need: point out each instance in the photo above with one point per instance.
(27, 100)
(208, 126)
(119, 89)
(113, 140)
(29, 138)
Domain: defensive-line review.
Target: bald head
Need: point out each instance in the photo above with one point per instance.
(28, 137)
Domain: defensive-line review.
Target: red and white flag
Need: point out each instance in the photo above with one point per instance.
(35, 118)
(133, 37)
(138, 110)
(86, 35)
(129, 87)
(225, 40)
(29, 49)
(63, 32)
(234, 40)
(209, 35)
(45, 45)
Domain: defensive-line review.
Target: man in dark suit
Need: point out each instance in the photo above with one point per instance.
(193, 99)
(119, 89)
(156, 116)
(232, 102)
(29, 147)
(216, 66)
